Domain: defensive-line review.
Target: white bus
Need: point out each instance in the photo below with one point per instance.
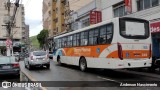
(112, 44)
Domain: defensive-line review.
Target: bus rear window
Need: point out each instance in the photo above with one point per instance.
(134, 28)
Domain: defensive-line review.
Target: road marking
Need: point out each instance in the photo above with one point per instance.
(108, 79)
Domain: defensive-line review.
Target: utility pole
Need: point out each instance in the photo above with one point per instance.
(9, 25)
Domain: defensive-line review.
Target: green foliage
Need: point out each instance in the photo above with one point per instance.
(34, 41)
(42, 37)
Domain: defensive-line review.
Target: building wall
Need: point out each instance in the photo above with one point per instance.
(17, 30)
(82, 15)
(149, 14)
(27, 33)
(60, 25)
(53, 19)
(47, 16)
(77, 4)
(107, 8)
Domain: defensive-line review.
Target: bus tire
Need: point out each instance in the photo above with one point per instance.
(59, 60)
(83, 64)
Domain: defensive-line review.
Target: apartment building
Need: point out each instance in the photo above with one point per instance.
(53, 16)
(25, 34)
(48, 16)
(19, 24)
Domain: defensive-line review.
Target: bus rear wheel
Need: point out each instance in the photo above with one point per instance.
(83, 64)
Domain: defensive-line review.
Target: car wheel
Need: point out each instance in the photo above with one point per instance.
(30, 67)
(25, 65)
(83, 64)
(48, 66)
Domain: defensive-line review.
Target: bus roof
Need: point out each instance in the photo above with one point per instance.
(91, 27)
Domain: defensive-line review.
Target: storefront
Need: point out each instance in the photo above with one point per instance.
(155, 30)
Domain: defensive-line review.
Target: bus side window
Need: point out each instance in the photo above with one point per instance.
(91, 39)
(109, 33)
(96, 34)
(74, 40)
(103, 35)
(85, 38)
(78, 39)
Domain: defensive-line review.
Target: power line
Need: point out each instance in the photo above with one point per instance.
(27, 4)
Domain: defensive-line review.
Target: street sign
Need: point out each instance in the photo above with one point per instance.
(128, 5)
(95, 17)
(8, 43)
(155, 27)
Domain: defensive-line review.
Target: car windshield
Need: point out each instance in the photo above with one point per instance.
(40, 53)
(5, 60)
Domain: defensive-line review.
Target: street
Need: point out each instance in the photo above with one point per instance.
(72, 73)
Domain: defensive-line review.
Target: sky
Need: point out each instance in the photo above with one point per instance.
(33, 15)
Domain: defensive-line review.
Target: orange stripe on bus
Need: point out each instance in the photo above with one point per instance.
(87, 51)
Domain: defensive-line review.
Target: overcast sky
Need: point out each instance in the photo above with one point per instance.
(33, 15)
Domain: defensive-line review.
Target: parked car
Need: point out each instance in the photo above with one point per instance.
(9, 66)
(37, 59)
(50, 55)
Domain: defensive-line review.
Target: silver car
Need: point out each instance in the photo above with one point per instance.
(37, 59)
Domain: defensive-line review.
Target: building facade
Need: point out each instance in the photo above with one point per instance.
(53, 16)
(145, 9)
(19, 24)
(81, 16)
(25, 34)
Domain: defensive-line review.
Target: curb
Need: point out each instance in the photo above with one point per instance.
(32, 79)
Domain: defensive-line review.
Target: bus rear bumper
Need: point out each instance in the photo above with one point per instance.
(139, 63)
(119, 64)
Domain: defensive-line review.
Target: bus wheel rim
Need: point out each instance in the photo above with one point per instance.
(83, 65)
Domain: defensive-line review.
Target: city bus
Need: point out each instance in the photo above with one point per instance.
(113, 44)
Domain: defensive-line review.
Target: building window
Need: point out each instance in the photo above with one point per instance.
(145, 4)
(57, 10)
(85, 22)
(155, 2)
(119, 11)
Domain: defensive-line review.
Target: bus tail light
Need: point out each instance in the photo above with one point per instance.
(120, 52)
(150, 51)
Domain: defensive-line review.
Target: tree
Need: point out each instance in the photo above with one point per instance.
(42, 37)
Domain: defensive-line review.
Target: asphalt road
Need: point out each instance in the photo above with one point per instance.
(72, 73)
